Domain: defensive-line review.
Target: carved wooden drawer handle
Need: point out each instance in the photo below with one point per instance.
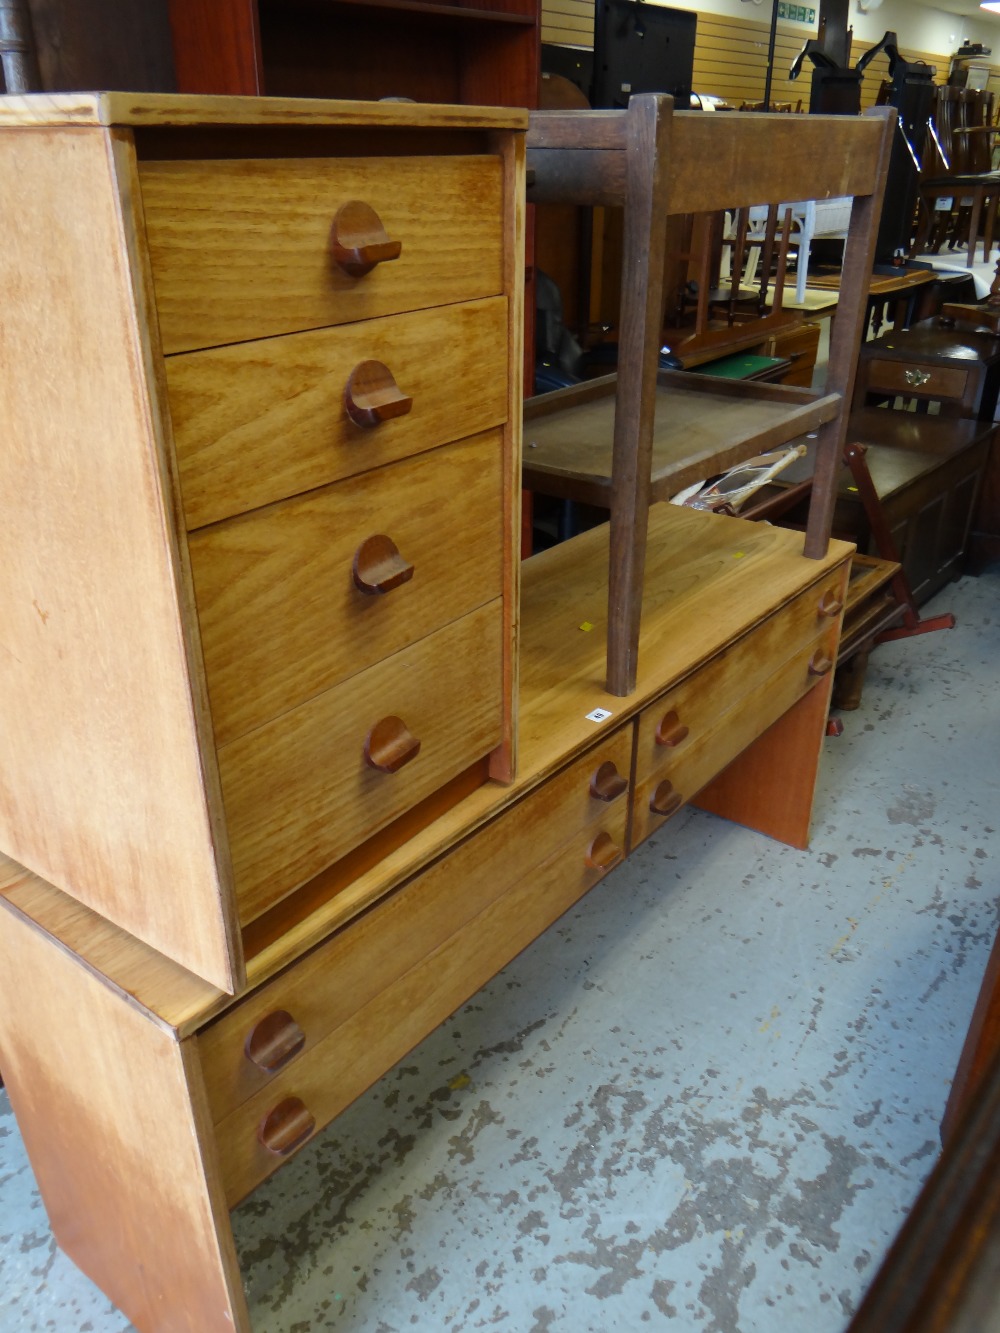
(664, 800)
(358, 240)
(274, 1041)
(378, 567)
(390, 745)
(671, 730)
(372, 395)
(286, 1127)
(604, 852)
(820, 664)
(916, 378)
(607, 782)
(830, 604)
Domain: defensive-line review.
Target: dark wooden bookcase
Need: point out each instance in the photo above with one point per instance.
(486, 53)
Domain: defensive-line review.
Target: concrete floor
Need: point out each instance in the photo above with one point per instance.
(704, 1099)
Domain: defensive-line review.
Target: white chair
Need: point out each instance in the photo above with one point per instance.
(810, 218)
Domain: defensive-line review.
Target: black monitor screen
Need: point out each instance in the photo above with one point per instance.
(642, 48)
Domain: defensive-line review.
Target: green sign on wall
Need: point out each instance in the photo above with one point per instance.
(798, 13)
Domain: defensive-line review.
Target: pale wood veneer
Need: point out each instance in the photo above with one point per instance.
(281, 618)
(261, 421)
(239, 250)
(118, 784)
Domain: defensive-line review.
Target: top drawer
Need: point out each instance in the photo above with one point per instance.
(242, 249)
(927, 381)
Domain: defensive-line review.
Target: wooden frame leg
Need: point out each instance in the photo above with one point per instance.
(113, 1113)
(770, 787)
(639, 347)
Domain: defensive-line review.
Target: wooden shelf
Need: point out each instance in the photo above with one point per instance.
(472, 13)
(701, 428)
(484, 54)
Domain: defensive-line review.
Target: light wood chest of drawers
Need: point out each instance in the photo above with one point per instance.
(260, 567)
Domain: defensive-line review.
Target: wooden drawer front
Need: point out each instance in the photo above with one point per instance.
(298, 792)
(260, 421)
(242, 250)
(680, 773)
(282, 618)
(924, 381)
(390, 980)
(328, 986)
(698, 701)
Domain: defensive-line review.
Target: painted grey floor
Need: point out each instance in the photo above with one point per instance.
(704, 1100)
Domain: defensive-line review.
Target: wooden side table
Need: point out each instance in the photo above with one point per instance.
(959, 368)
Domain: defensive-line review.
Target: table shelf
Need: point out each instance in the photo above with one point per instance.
(701, 428)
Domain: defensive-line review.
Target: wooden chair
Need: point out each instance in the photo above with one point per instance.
(739, 264)
(604, 442)
(949, 172)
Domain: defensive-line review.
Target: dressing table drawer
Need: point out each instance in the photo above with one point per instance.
(807, 626)
(296, 597)
(672, 775)
(260, 421)
(687, 737)
(248, 249)
(304, 789)
(924, 380)
(308, 1038)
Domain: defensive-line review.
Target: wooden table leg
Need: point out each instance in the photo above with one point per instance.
(770, 786)
(114, 1117)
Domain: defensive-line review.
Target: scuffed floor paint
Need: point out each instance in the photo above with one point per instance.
(705, 1099)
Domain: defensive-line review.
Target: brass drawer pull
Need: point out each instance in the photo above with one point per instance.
(274, 1041)
(358, 240)
(830, 604)
(390, 745)
(373, 396)
(604, 853)
(378, 567)
(286, 1127)
(607, 783)
(820, 664)
(671, 730)
(915, 378)
(664, 800)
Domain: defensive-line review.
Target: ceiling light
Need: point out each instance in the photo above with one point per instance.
(992, 5)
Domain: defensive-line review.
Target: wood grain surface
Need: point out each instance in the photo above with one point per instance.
(281, 617)
(297, 791)
(166, 109)
(262, 420)
(342, 975)
(100, 792)
(378, 1033)
(113, 1114)
(240, 249)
